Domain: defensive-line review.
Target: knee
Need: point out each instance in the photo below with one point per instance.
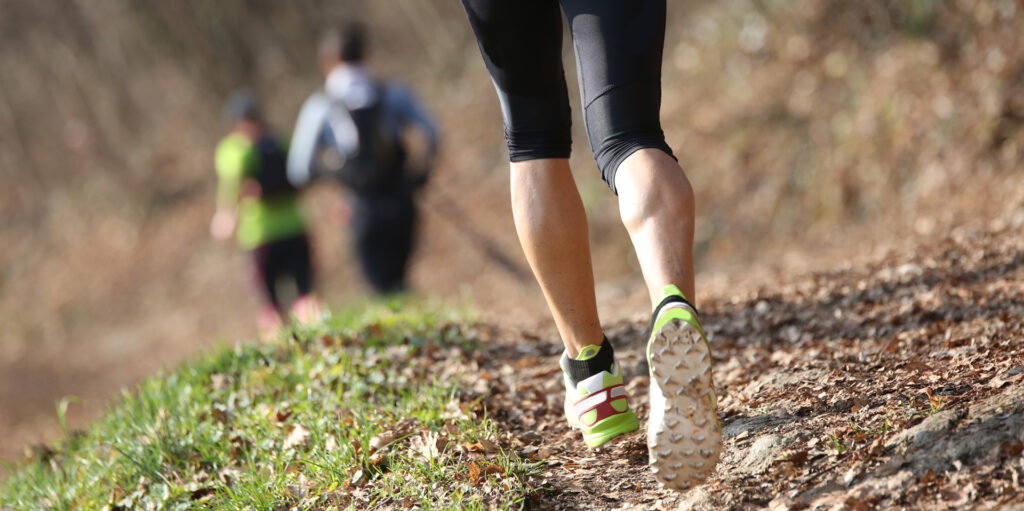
(525, 143)
(622, 121)
(537, 126)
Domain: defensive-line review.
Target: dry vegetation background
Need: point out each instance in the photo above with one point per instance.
(814, 132)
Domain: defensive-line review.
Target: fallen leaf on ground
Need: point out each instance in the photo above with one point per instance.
(298, 436)
(797, 458)
(219, 381)
(283, 413)
(483, 445)
(429, 445)
(474, 473)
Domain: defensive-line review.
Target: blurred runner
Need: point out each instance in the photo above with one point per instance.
(354, 130)
(618, 49)
(258, 206)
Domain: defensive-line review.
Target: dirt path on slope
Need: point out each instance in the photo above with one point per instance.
(896, 384)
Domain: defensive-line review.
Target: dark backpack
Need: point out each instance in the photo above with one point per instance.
(272, 174)
(379, 163)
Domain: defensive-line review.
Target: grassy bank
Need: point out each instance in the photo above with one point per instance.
(355, 412)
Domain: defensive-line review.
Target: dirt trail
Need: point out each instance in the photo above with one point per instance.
(894, 384)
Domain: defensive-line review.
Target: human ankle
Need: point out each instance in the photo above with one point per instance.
(591, 360)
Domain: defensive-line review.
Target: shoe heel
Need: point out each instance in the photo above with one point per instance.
(684, 436)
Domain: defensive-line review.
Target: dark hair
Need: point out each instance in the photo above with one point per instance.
(346, 42)
(242, 105)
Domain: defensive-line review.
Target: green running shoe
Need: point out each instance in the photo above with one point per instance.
(597, 405)
(683, 433)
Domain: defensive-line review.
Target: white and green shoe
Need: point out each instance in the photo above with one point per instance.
(597, 405)
(683, 433)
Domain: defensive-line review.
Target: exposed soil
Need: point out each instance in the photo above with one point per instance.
(893, 384)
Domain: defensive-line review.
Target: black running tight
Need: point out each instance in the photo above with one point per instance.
(618, 47)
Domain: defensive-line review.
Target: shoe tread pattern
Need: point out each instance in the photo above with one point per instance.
(686, 446)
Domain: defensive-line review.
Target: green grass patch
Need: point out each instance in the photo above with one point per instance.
(362, 411)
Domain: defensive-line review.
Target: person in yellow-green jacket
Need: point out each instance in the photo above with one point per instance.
(258, 207)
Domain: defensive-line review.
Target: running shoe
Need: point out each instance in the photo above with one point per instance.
(683, 433)
(268, 322)
(307, 309)
(597, 405)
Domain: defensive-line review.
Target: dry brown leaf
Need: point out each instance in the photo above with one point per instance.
(1001, 380)
(527, 362)
(265, 410)
(383, 439)
(474, 473)
(283, 413)
(484, 446)
(202, 493)
(854, 504)
(488, 446)
(429, 445)
(298, 436)
(373, 329)
(548, 372)
(451, 429)
(797, 458)
(1013, 449)
(386, 437)
(356, 479)
(935, 401)
(228, 475)
(219, 381)
(877, 448)
(377, 461)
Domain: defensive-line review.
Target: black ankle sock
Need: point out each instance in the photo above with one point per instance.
(580, 370)
(668, 300)
(673, 299)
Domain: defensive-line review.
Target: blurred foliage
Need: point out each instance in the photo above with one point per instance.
(117, 95)
(817, 115)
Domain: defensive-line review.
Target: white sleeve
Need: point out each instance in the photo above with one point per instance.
(342, 136)
(306, 139)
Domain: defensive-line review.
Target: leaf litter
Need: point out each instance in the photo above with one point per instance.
(896, 384)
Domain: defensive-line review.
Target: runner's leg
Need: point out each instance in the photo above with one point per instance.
(552, 227)
(618, 54)
(301, 264)
(270, 315)
(265, 266)
(306, 307)
(521, 45)
(369, 240)
(619, 50)
(405, 238)
(656, 204)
